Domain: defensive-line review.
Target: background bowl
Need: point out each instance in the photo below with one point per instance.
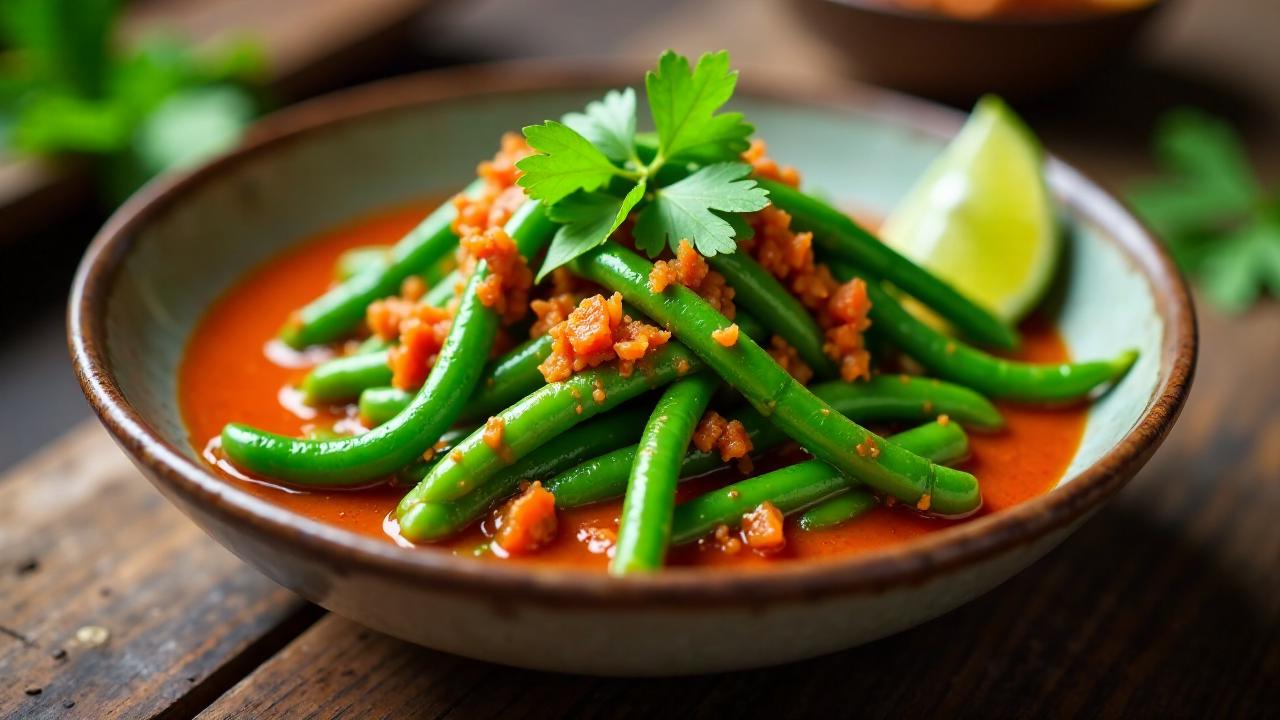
(956, 59)
(166, 255)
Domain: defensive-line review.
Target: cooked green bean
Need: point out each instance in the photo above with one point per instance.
(372, 344)
(506, 380)
(837, 236)
(380, 404)
(344, 378)
(838, 510)
(758, 291)
(361, 260)
(442, 292)
(828, 435)
(509, 378)
(436, 406)
(540, 416)
(799, 486)
(645, 524)
(434, 521)
(880, 399)
(335, 313)
(990, 375)
(410, 474)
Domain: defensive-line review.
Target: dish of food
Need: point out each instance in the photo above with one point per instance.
(694, 316)
(231, 249)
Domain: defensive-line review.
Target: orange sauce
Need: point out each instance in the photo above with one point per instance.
(228, 374)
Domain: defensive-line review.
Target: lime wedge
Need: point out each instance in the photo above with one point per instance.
(981, 218)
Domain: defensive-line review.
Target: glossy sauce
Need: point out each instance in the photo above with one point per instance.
(233, 370)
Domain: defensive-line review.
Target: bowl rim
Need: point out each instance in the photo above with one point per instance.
(912, 563)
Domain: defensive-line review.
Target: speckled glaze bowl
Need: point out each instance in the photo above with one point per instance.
(172, 249)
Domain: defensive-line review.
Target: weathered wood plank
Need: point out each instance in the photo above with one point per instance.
(112, 604)
(1167, 604)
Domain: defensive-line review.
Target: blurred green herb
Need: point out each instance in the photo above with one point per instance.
(66, 87)
(1222, 227)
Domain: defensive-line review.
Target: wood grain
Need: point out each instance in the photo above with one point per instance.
(86, 543)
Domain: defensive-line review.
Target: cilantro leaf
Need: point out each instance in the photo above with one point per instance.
(1210, 211)
(589, 219)
(610, 124)
(684, 210)
(1242, 266)
(683, 103)
(567, 162)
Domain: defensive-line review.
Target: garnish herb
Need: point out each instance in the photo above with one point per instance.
(66, 87)
(1220, 224)
(589, 170)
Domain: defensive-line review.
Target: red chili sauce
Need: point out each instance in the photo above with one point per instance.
(228, 374)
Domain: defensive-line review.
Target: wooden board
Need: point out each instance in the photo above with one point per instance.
(112, 604)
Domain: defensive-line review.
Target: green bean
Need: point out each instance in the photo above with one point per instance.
(435, 407)
(798, 486)
(836, 235)
(838, 510)
(335, 313)
(879, 399)
(540, 416)
(361, 260)
(505, 380)
(564, 405)
(432, 521)
(645, 524)
(907, 397)
(410, 474)
(758, 291)
(442, 292)
(372, 344)
(990, 375)
(343, 378)
(828, 435)
(379, 404)
(509, 378)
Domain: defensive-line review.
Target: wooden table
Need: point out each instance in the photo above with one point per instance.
(1167, 603)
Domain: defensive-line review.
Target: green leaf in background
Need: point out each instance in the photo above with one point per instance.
(589, 219)
(1211, 211)
(64, 88)
(610, 124)
(1243, 266)
(683, 210)
(62, 43)
(192, 126)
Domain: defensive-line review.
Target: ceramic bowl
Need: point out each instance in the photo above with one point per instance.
(958, 59)
(172, 249)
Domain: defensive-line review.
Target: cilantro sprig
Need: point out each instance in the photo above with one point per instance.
(1222, 228)
(68, 86)
(594, 169)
